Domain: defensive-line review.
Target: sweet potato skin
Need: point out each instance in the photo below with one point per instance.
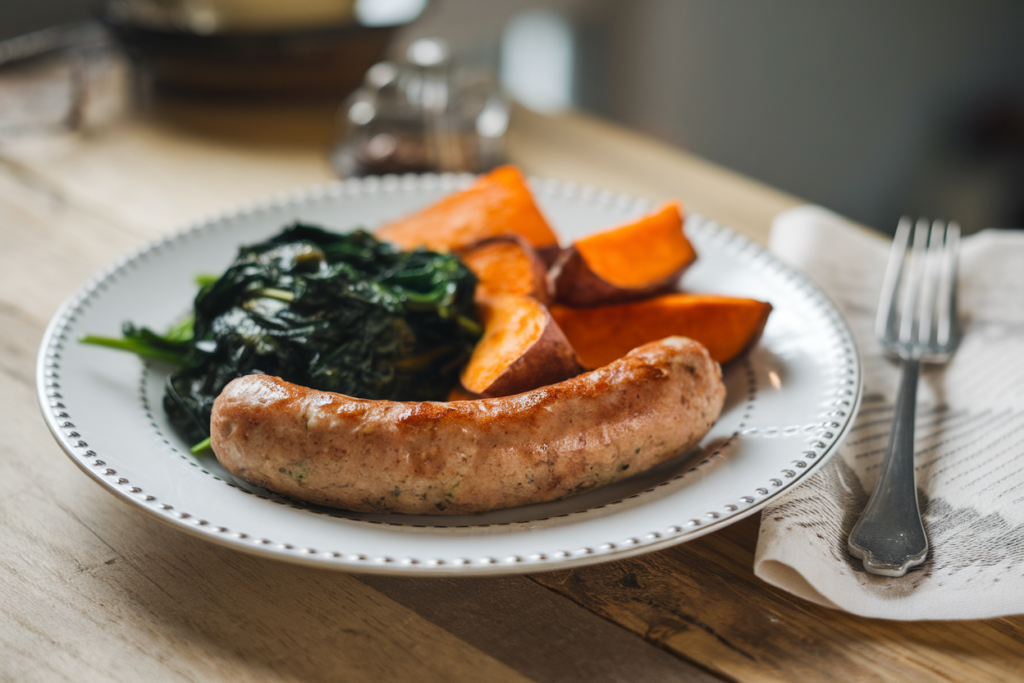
(498, 203)
(573, 283)
(630, 262)
(727, 326)
(469, 456)
(522, 348)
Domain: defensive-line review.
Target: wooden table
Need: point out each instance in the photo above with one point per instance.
(92, 591)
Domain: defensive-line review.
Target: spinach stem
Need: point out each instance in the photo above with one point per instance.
(272, 293)
(200, 447)
(469, 325)
(203, 279)
(133, 346)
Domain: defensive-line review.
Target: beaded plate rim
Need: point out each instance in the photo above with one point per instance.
(60, 421)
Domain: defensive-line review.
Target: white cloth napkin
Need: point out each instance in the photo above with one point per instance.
(969, 443)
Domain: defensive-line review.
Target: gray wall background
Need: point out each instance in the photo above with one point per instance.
(872, 108)
(23, 16)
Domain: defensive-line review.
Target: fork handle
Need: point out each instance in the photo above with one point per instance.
(890, 537)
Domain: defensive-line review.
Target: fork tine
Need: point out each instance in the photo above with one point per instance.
(931, 282)
(915, 276)
(947, 313)
(885, 322)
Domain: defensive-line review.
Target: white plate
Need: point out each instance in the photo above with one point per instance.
(789, 403)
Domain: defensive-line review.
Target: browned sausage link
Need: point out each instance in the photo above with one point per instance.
(470, 456)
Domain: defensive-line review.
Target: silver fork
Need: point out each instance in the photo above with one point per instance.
(917, 322)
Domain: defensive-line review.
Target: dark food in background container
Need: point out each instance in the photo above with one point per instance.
(330, 62)
(316, 62)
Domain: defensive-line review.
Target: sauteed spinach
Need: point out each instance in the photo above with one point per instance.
(343, 313)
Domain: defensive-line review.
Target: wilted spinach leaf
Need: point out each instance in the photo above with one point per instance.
(343, 313)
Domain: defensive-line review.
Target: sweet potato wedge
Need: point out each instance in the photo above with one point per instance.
(522, 348)
(725, 325)
(507, 265)
(499, 203)
(460, 393)
(626, 263)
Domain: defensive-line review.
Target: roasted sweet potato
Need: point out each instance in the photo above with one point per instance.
(498, 203)
(522, 348)
(507, 265)
(460, 393)
(626, 263)
(725, 325)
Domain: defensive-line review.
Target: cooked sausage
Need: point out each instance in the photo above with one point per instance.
(470, 456)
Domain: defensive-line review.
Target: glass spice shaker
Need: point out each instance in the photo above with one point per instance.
(422, 116)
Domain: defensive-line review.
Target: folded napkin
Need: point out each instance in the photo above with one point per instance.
(969, 447)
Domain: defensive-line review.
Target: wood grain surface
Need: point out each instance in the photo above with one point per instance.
(92, 591)
(701, 601)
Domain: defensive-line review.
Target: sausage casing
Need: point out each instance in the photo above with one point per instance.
(470, 456)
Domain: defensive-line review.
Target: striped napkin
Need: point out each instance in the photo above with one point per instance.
(969, 448)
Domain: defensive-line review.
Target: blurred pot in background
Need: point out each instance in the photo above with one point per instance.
(423, 115)
(315, 49)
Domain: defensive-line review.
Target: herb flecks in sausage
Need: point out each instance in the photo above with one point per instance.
(471, 456)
